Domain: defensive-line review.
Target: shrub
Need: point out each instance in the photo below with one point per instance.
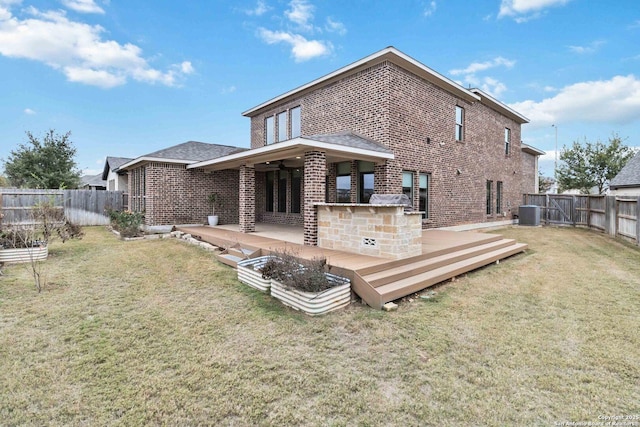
(297, 274)
(127, 223)
(18, 238)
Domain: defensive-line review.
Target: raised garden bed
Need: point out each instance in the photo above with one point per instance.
(250, 273)
(315, 303)
(24, 254)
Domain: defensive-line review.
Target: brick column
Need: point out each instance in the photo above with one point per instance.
(315, 166)
(247, 199)
(387, 178)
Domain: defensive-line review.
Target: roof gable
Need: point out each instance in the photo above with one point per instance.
(113, 163)
(390, 54)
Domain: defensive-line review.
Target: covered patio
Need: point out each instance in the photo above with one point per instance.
(311, 160)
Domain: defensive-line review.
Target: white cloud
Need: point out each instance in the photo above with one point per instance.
(483, 66)
(616, 100)
(84, 6)
(78, 50)
(335, 27)
(300, 13)
(590, 48)
(228, 90)
(29, 111)
(487, 84)
(493, 87)
(431, 9)
(525, 10)
(260, 9)
(301, 48)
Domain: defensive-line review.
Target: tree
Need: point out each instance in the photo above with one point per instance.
(590, 165)
(544, 183)
(46, 164)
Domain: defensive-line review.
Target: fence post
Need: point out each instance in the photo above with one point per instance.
(610, 215)
(546, 209)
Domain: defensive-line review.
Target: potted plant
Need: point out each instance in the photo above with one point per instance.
(211, 200)
(305, 285)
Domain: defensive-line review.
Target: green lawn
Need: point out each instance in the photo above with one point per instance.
(157, 332)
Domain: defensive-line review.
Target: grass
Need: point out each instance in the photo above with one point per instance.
(156, 332)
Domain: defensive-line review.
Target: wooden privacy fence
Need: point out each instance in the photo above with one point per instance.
(81, 207)
(614, 215)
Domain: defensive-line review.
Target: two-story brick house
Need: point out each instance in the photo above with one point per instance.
(385, 124)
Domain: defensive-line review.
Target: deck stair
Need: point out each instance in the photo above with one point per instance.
(232, 255)
(380, 284)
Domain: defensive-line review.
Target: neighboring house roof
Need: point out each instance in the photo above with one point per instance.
(338, 147)
(388, 54)
(113, 163)
(92, 181)
(629, 175)
(186, 153)
(532, 150)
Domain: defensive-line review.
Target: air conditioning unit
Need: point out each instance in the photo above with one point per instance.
(529, 215)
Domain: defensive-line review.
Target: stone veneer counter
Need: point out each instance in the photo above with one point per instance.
(377, 230)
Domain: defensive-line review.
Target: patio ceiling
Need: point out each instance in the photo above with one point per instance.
(291, 153)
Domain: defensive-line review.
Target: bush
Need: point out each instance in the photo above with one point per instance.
(297, 274)
(18, 238)
(127, 223)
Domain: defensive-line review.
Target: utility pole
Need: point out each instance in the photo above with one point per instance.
(555, 165)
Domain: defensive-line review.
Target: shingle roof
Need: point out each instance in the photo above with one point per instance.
(92, 181)
(629, 176)
(113, 163)
(194, 151)
(350, 139)
(116, 162)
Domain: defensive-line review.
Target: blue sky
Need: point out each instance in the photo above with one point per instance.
(131, 77)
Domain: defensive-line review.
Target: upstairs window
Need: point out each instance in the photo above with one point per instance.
(282, 126)
(507, 141)
(269, 130)
(459, 123)
(295, 122)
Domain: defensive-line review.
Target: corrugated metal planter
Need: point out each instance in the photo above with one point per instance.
(24, 254)
(315, 304)
(250, 273)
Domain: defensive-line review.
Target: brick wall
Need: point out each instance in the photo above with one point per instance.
(176, 195)
(416, 119)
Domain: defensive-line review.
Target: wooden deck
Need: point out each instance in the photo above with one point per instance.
(445, 254)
